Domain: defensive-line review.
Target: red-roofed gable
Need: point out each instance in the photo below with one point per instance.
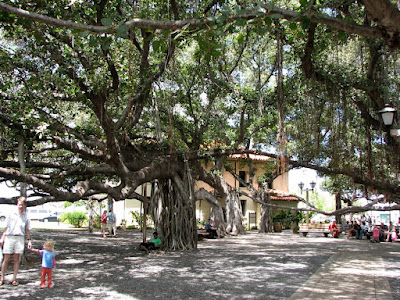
(282, 196)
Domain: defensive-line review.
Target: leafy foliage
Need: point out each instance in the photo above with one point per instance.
(76, 218)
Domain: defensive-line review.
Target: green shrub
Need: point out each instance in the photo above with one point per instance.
(138, 218)
(287, 217)
(201, 224)
(97, 222)
(76, 218)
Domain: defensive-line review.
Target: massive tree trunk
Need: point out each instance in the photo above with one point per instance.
(174, 215)
(266, 224)
(229, 195)
(91, 216)
(22, 164)
(234, 224)
(216, 210)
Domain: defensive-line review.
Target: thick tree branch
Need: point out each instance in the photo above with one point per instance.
(263, 11)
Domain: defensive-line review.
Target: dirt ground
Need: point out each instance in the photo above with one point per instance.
(253, 266)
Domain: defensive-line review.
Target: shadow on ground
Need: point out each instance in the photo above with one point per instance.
(253, 266)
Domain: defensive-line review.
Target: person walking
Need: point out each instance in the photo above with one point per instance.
(103, 223)
(111, 221)
(18, 226)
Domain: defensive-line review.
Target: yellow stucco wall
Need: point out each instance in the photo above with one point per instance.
(203, 207)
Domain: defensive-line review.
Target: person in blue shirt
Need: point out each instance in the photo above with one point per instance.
(210, 229)
(48, 263)
(111, 222)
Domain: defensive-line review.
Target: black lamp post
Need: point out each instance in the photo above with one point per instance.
(301, 186)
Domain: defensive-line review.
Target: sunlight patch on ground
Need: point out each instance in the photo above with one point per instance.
(82, 240)
(72, 261)
(102, 292)
(147, 271)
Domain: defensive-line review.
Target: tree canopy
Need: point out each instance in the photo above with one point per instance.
(106, 95)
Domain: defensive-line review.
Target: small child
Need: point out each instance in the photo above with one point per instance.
(48, 262)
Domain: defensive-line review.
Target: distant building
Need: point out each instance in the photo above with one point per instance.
(250, 209)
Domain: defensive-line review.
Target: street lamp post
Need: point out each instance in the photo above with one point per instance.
(301, 186)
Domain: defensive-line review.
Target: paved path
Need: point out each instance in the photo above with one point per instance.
(334, 279)
(253, 266)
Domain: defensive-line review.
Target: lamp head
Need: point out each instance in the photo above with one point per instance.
(387, 114)
(301, 186)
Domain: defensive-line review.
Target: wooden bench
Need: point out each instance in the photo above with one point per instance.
(202, 234)
(317, 228)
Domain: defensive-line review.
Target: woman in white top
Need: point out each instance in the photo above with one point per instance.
(18, 226)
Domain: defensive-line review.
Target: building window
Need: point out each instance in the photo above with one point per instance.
(242, 176)
(243, 203)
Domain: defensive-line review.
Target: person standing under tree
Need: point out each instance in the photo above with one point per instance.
(111, 221)
(18, 226)
(48, 263)
(103, 223)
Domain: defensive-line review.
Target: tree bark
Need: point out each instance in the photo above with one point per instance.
(175, 217)
(266, 224)
(234, 224)
(216, 210)
(90, 206)
(22, 163)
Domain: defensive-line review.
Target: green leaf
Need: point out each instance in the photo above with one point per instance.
(293, 26)
(106, 44)
(268, 21)
(202, 44)
(276, 16)
(240, 22)
(123, 31)
(221, 19)
(216, 53)
(106, 22)
(93, 41)
(240, 38)
(305, 24)
(156, 45)
(342, 36)
(84, 33)
(239, 11)
(304, 3)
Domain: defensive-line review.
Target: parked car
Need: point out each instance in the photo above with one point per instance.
(38, 213)
(5, 210)
(54, 217)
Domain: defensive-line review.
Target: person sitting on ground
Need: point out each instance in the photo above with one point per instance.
(333, 229)
(383, 232)
(153, 244)
(357, 227)
(210, 229)
(351, 230)
(387, 233)
(364, 229)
